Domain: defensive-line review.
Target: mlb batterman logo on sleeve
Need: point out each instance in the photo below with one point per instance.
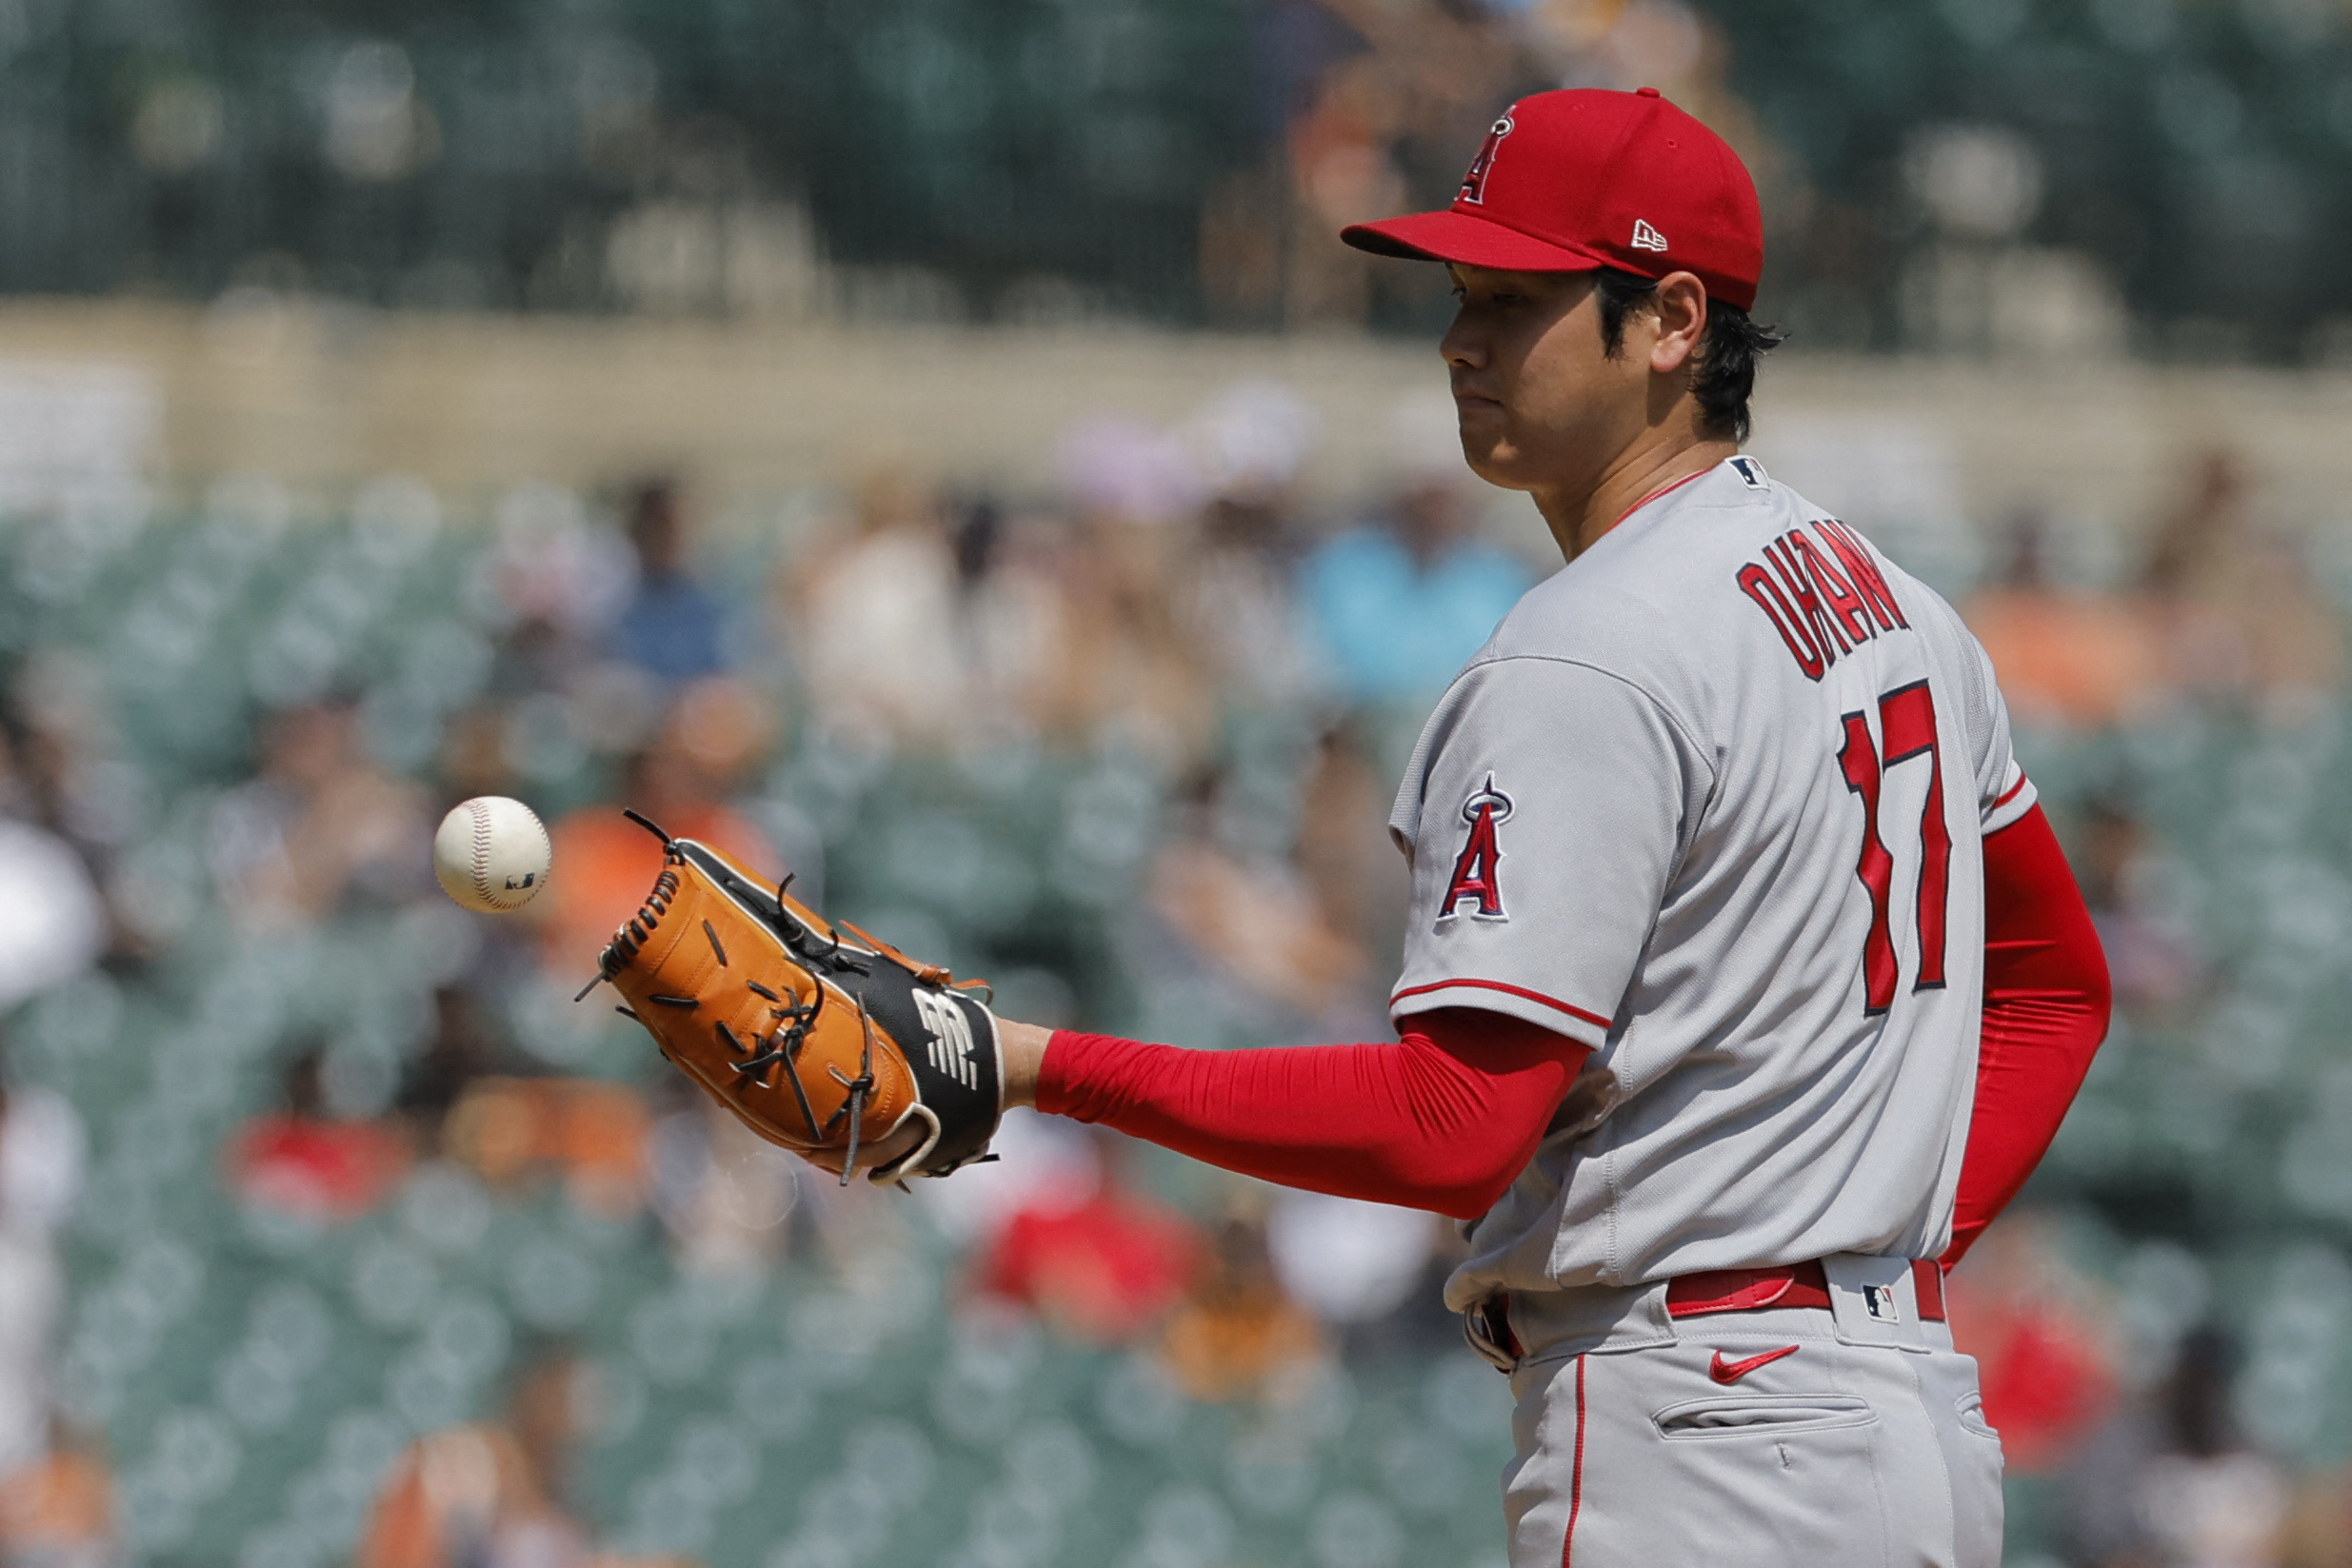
(1582, 178)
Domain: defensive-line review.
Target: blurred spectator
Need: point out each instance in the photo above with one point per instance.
(2168, 1483)
(1019, 625)
(875, 622)
(1236, 604)
(1398, 608)
(1418, 1326)
(459, 1052)
(2065, 659)
(1142, 678)
(491, 1494)
(318, 825)
(1119, 466)
(610, 863)
(2231, 604)
(560, 583)
(589, 1135)
(1377, 96)
(979, 536)
(671, 626)
(473, 758)
(1291, 43)
(52, 921)
(1236, 1333)
(1346, 1260)
(1247, 917)
(61, 772)
(1449, 64)
(41, 1159)
(1359, 881)
(307, 1162)
(2043, 1365)
(2151, 955)
(1234, 598)
(1093, 1257)
(1341, 173)
(58, 1511)
(726, 729)
(1174, 586)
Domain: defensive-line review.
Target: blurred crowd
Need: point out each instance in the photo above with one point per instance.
(2221, 610)
(2123, 1402)
(1126, 749)
(1174, 619)
(1364, 105)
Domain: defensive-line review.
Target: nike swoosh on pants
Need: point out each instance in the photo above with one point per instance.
(1732, 1372)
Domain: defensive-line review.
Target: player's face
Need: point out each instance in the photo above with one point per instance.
(1541, 404)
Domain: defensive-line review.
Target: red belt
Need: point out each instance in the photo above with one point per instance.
(1785, 1285)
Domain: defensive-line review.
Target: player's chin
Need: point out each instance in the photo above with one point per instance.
(1491, 457)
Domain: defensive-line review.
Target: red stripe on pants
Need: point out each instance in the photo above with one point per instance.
(1576, 1474)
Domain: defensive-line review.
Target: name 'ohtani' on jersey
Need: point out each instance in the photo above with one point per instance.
(1822, 607)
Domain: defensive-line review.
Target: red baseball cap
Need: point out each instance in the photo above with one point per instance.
(1584, 178)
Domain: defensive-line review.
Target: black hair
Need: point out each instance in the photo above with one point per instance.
(1724, 369)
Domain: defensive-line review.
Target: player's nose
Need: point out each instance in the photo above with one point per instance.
(1463, 345)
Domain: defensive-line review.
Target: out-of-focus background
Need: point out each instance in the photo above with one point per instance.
(939, 447)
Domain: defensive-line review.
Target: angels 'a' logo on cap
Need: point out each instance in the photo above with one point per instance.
(1647, 238)
(1476, 877)
(1474, 183)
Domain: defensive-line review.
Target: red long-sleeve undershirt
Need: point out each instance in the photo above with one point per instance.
(1445, 1117)
(2046, 1001)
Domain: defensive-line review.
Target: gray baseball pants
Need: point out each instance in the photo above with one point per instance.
(1850, 1437)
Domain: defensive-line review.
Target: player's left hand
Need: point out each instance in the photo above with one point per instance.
(827, 1041)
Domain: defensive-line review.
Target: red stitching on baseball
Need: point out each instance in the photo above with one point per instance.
(481, 815)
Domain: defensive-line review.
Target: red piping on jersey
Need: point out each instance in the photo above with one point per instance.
(1666, 489)
(1445, 1119)
(1553, 1003)
(2046, 1002)
(2010, 794)
(1576, 1474)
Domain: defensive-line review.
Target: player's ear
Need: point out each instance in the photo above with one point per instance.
(1679, 302)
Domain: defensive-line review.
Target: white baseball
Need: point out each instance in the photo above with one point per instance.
(492, 854)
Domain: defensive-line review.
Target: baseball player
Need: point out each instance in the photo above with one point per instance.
(1744, 980)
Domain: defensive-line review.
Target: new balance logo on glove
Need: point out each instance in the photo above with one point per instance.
(951, 1039)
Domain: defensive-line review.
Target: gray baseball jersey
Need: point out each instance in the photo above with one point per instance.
(1711, 801)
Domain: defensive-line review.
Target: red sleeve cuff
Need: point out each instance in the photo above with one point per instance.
(1070, 1079)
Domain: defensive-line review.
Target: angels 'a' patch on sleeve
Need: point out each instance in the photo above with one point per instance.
(1545, 802)
(1477, 871)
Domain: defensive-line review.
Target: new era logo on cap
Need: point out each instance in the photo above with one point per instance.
(1595, 179)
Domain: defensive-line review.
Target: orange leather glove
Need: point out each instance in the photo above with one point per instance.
(823, 1044)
